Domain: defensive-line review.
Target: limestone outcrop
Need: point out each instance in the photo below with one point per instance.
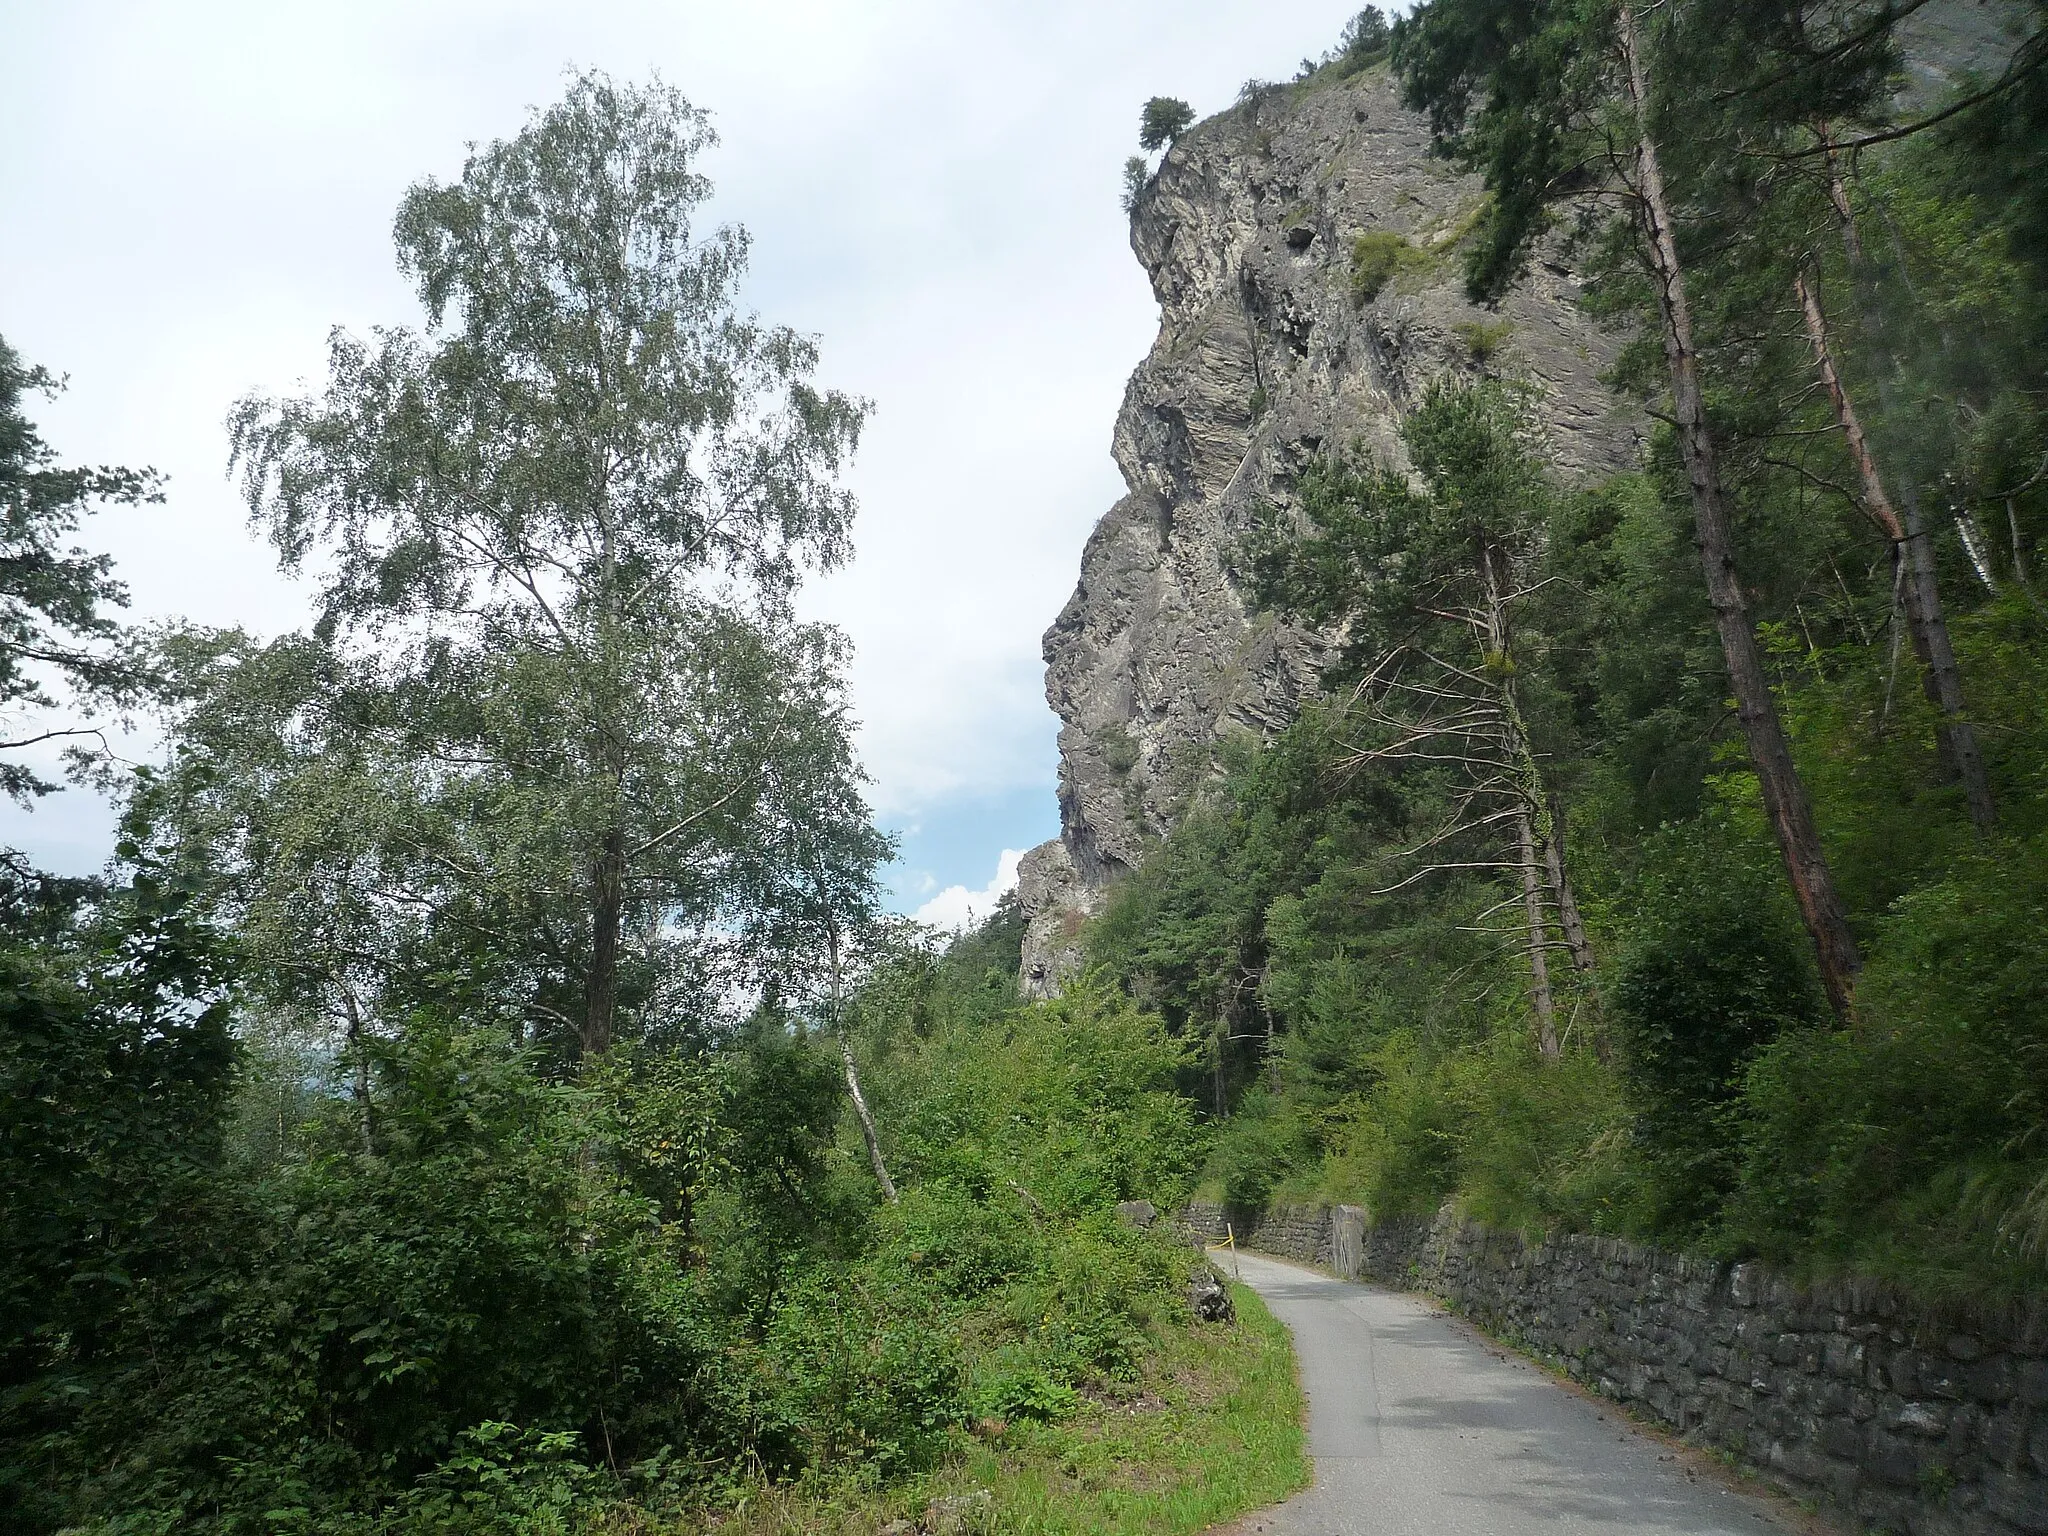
(1280, 338)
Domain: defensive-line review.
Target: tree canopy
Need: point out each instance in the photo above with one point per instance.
(1163, 120)
(55, 628)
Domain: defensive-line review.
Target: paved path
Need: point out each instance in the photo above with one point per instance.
(1418, 1429)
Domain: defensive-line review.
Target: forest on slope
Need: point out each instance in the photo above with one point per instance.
(1668, 856)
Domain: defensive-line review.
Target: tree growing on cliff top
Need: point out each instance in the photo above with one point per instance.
(1164, 119)
(557, 535)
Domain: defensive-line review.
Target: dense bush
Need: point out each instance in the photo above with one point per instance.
(1377, 258)
(1714, 969)
(1912, 1144)
(529, 1295)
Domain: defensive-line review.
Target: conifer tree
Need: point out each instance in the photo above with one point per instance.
(1560, 95)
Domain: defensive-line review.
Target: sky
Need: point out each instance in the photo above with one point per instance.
(193, 194)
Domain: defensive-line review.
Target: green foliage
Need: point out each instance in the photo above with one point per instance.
(501, 1478)
(1366, 41)
(1911, 1145)
(1081, 1114)
(115, 1061)
(1483, 338)
(53, 597)
(1377, 258)
(1164, 119)
(1713, 971)
(1257, 1150)
(529, 1298)
(1137, 176)
(1517, 91)
(1119, 749)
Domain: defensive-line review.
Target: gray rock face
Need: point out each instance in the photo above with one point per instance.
(1268, 355)
(1210, 1297)
(1059, 901)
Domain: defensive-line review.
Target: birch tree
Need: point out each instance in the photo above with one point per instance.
(556, 532)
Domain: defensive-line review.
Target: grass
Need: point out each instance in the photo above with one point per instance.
(1483, 339)
(1377, 258)
(1210, 1429)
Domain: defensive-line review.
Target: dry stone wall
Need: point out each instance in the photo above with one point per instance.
(1298, 1232)
(1915, 1423)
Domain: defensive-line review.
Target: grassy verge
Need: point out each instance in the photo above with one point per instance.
(1210, 1428)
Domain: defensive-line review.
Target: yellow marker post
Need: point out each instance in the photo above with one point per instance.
(1230, 1242)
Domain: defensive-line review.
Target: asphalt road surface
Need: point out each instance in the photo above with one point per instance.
(1418, 1429)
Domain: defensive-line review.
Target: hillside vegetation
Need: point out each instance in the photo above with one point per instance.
(1597, 896)
(484, 1092)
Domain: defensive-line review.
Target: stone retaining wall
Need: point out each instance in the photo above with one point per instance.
(1298, 1232)
(1914, 1423)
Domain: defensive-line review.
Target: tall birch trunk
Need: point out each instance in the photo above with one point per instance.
(607, 909)
(860, 1100)
(359, 1054)
(1770, 754)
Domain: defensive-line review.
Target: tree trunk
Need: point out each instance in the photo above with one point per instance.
(1217, 1037)
(1942, 681)
(359, 1053)
(607, 908)
(1539, 938)
(1770, 754)
(1574, 925)
(1497, 641)
(860, 1102)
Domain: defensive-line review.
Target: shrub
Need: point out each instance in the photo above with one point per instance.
(1715, 970)
(1400, 1141)
(1910, 1145)
(1376, 259)
(1136, 175)
(505, 1478)
(1483, 338)
(864, 1371)
(1256, 1149)
(1119, 749)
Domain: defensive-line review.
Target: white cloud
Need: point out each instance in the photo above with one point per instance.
(957, 907)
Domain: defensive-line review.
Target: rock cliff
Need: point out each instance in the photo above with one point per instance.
(1303, 248)
(1280, 336)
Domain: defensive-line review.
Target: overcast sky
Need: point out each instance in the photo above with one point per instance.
(193, 194)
